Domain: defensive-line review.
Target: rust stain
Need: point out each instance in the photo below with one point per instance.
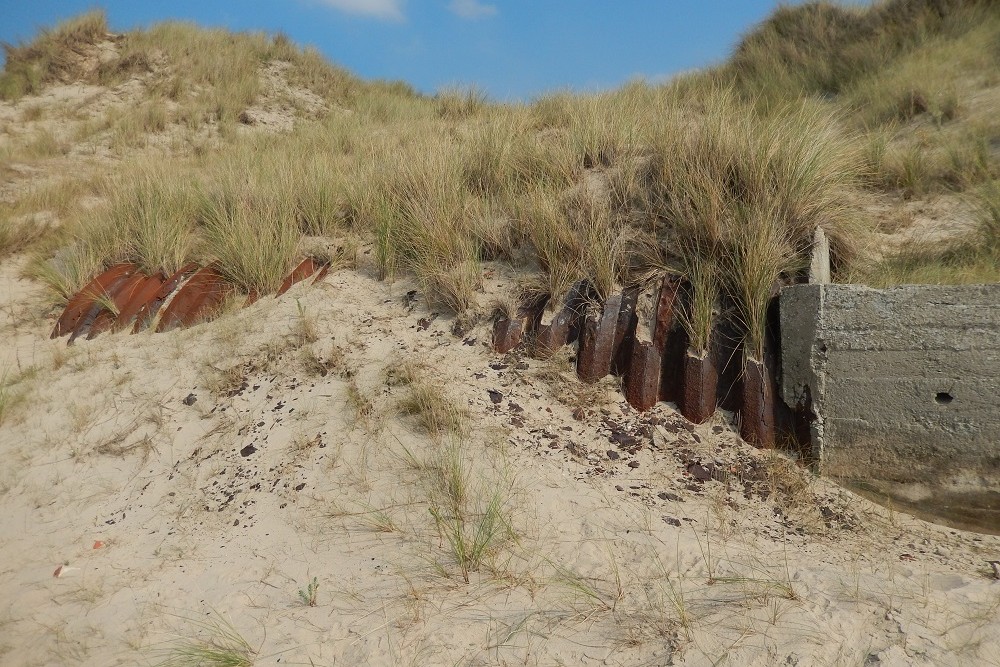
(82, 301)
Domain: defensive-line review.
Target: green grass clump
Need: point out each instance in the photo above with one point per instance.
(250, 229)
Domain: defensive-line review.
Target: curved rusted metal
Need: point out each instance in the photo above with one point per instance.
(202, 292)
(701, 381)
(99, 306)
(147, 313)
(558, 328)
(306, 268)
(597, 339)
(757, 413)
(653, 328)
(81, 302)
(119, 297)
(323, 270)
(141, 296)
(509, 332)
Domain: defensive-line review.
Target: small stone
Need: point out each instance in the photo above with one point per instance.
(190, 399)
(247, 451)
(943, 551)
(699, 472)
(613, 455)
(633, 464)
(495, 396)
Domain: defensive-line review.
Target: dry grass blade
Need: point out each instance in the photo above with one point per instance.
(223, 646)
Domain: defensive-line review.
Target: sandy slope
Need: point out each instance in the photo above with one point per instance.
(623, 557)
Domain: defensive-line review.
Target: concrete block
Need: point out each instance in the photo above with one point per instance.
(905, 381)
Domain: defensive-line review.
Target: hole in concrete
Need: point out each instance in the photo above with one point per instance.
(944, 398)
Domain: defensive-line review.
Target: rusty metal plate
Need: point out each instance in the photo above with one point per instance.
(147, 313)
(757, 414)
(324, 269)
(597, 339)
(701, 379)
(507, 333)
(655, 311)
(202, 292)
(666, 309)
(306, 268)
(621, 351)
(99, 306)
(561, 327)
(81, 302)
(642, 377)
(119, 296)
(141, 296)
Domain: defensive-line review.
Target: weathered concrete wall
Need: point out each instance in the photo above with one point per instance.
(904, 382)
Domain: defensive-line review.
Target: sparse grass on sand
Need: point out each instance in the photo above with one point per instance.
(219, 645)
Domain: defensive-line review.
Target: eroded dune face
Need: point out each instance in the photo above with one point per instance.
(345, 433)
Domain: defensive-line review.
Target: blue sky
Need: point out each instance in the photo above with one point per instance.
(511, 49)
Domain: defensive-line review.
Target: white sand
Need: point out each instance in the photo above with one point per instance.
(605, 570)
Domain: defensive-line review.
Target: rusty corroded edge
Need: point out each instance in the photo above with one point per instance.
(701, 379)
(643, 379)
(306, 268)
(597, 339)
(564, 327)
(141, 296)
(81, 302)
(323, 270)
(97, 306)
(204, 288)
(119, 297)
(147, 313)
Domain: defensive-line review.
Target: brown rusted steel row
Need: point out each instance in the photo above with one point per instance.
(636, 334)
(123, 295)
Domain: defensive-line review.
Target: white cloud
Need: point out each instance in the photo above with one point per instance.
(472, 9)
(391, 10)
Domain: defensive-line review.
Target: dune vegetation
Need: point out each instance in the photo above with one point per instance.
(720, 175)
